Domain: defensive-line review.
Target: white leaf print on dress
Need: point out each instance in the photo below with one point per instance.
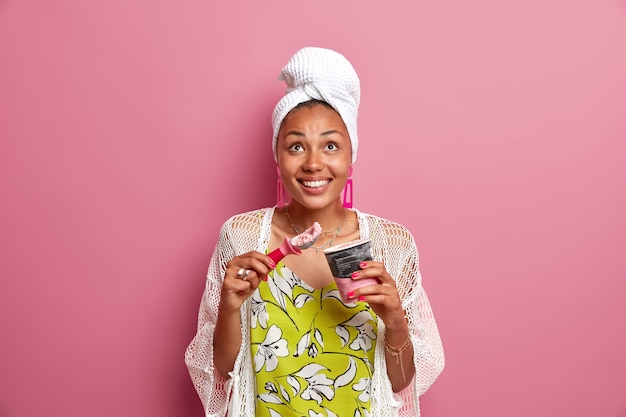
(301, 300)
(270, 349)
(270, 398)
(259, 311)
(285, 284)
(303, 344)
(347, 377)
(333, 294)
(357, 413)
(319, 337)
(318, 384)
(364, 340)
(343, 334)
(295, 385)
(278, 295)
(362, 322)
(363, 386)
(328, 413)
(285, 394)
(306, 344)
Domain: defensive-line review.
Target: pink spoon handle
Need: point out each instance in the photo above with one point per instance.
(283, 250)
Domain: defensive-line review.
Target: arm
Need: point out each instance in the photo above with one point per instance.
(401, 303)
(235, 290)
(399, 355)
(199, 356)
(228, 333)
(384, 299)
(211, 355)
(428, 357)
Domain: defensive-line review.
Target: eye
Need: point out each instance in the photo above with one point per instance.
(296, 147)
(332, 146)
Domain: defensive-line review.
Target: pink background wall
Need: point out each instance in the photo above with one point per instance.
(494, 130)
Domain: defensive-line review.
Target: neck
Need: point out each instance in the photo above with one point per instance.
(330, 218)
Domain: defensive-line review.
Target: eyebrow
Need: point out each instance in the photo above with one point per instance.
(300, 134)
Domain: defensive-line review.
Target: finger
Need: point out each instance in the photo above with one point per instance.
(260, 268)
(250, 275)
(258, 258)
(252, 278)
(243, 274)
(384, 303)
(254, 261)
(236, 283)
(378, 270)
(379, 289)
(380, 274)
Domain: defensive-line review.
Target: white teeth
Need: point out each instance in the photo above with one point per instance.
(314, 184)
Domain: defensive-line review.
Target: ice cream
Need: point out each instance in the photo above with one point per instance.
(305, 239)
(295, 245)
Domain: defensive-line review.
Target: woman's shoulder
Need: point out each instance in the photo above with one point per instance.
(381, 222)
(391, 241)
(249, 219)
(382, 227)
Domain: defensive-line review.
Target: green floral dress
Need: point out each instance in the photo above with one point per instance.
(313, 355)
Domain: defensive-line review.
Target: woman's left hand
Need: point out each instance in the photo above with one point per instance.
(383, 298)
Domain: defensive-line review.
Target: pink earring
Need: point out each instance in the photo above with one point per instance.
(280, 190)
(347, 191)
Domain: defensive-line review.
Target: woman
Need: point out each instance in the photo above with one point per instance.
(276, 339)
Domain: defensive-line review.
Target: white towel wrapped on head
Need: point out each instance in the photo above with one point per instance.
(325, 75)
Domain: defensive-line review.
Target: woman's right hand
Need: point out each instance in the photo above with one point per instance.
(237, 287)
(243, 275)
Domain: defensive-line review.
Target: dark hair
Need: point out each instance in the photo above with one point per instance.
(312, 103)
(308, 105)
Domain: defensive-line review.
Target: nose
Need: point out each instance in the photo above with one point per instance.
(314, 162)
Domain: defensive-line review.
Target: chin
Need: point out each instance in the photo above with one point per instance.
(317, 204)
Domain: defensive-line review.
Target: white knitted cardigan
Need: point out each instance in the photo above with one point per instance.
(391, 243)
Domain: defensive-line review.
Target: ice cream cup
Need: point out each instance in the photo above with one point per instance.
(343, 260)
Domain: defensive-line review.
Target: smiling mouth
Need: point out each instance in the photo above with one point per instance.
(315, 184)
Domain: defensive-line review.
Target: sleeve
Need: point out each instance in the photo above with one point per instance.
(210, 385)
(393, 244)
(428, 350)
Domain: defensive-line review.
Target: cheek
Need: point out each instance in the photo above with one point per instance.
(341, 173)
(285, 168)
(342, 167)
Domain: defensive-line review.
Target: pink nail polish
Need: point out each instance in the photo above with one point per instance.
(351, 294)
(363, 264)
(355, 274)
(361, 298)
(272, 264)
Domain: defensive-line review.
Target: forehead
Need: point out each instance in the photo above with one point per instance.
(313, 119)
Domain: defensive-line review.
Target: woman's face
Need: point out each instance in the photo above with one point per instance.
(314, 155)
